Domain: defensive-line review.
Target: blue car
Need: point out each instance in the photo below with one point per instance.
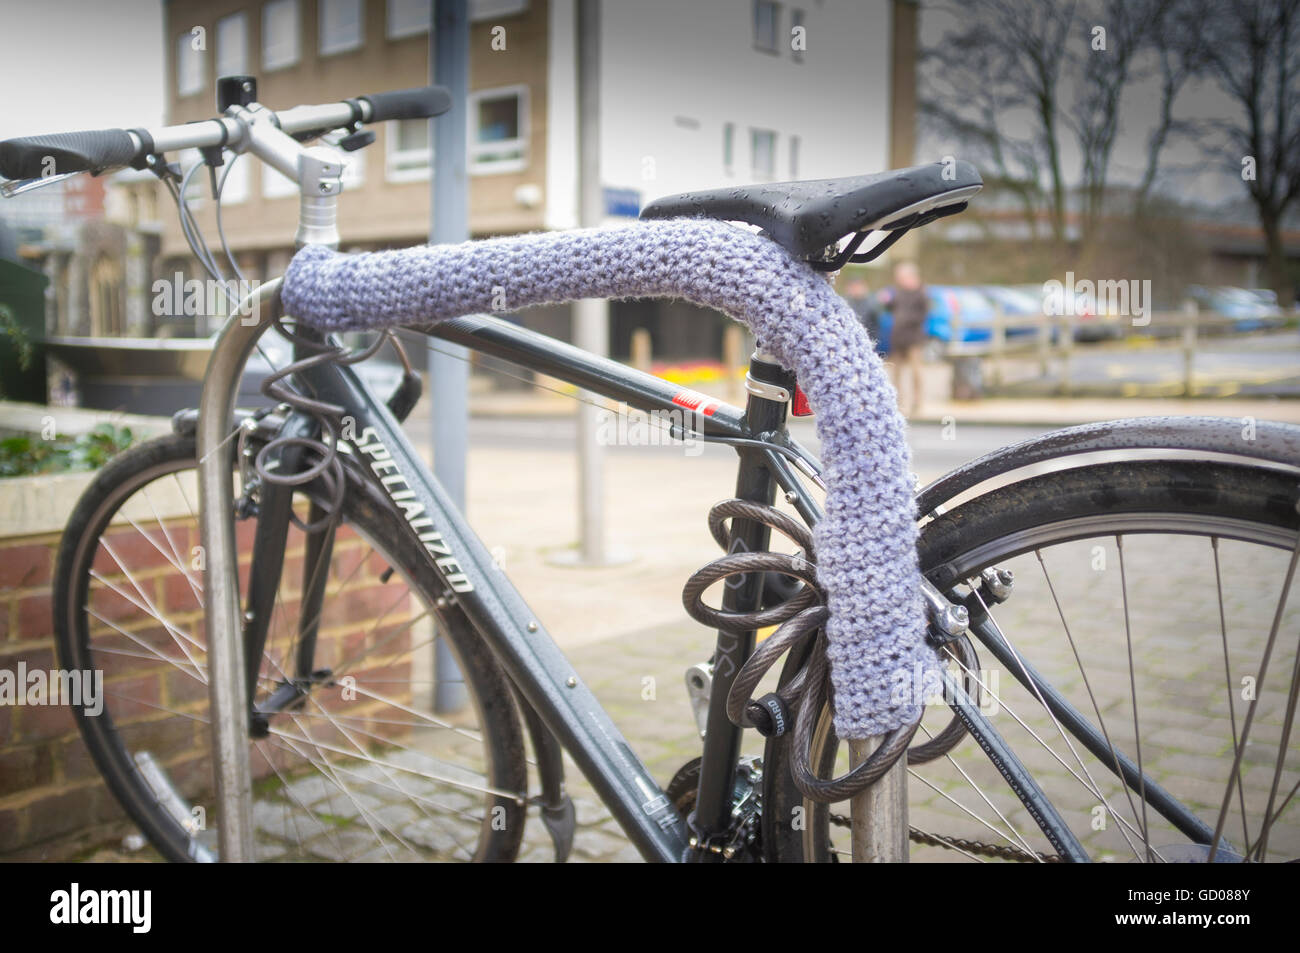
(971, 306)
(1248, 310)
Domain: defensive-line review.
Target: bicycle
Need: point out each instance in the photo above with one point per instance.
(338, 744)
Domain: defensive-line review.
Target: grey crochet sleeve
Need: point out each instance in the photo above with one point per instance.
(866, 544)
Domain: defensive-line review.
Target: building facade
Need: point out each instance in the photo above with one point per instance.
(694, 94)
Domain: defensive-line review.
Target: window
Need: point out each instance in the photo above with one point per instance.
(189, 66)
(232, 45)
(407, 18)
(498, 140)
(195, 194)
(794, 157)
(762, 153)
(766, 16)
(797, 32)
(409, 155)
(341, 28)
(729, 146)
(235, 189)
(486, 9)
(279, 34)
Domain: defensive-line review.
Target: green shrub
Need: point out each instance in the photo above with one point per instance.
(25, 455)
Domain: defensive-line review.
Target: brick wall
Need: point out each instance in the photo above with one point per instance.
(49, 786)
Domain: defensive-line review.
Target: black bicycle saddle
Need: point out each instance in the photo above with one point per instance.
(807, 217)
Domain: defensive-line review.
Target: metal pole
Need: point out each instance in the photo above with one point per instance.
(449, 363)
(590, 316)
(223, 621)
(879, 814)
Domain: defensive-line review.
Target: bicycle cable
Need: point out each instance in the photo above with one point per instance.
(800, 618)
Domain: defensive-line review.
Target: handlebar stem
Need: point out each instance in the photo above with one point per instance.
(319, 184)
(317, 169)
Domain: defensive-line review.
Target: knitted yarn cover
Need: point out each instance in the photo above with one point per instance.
(865, 544)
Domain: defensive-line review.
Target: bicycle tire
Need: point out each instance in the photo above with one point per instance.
(1227, 501)
(503, 817)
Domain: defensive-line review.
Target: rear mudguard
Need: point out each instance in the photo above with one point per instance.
(1244, 437)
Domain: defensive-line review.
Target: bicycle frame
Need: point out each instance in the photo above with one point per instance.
(532, 660)
(537, 668)
(535, 665)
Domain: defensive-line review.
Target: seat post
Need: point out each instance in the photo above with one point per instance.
(770, 387)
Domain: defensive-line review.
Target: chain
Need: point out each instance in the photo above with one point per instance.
(998, 851)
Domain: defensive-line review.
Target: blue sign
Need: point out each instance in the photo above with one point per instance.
(623, 202)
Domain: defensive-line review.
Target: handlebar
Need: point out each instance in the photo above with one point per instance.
(99, 151)
(94, 151)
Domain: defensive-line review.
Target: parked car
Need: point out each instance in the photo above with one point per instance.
(1248, 310)
(1092, 320)
(1021, 310)
(1266, 295)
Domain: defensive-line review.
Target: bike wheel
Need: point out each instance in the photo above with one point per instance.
(363, 767)
(1157, 599)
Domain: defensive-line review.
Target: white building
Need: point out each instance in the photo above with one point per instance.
(704, 94)
(701, 94)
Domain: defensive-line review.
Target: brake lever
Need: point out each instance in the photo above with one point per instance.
(16, 187)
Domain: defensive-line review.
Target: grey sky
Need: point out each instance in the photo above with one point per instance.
(80, 64)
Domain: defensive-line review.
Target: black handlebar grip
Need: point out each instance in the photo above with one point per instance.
(418, 103)
(96, 151)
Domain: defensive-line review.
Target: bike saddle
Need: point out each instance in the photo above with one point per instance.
(806, 218)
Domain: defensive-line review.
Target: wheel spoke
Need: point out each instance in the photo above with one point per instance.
(375, 775)
(1254, 704)
(1132, 683)
(1227, 683)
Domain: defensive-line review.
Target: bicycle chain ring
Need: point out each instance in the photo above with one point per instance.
(741, 842)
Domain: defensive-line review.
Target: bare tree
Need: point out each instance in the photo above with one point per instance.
(1180, 40)
(1003, 61)
(1118, 31)
(1254, 55)
(960, 101)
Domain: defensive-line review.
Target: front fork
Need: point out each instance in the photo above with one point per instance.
(275, 506)
(770, 387)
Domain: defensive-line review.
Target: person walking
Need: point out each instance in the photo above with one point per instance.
(859, 297)
(909, 306)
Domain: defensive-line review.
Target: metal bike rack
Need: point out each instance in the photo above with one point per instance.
(879, 814)
(223, 618)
